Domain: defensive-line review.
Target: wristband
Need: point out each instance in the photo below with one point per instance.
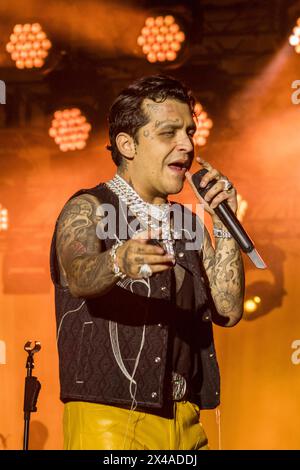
(113, 255)
(219, 233)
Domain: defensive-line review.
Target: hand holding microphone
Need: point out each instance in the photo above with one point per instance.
(224, 205)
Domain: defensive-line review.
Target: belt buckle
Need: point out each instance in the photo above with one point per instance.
(179, 386)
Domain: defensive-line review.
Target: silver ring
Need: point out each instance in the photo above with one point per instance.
(145, 270)
(227, 184)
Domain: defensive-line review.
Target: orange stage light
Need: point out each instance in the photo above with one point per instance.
(203, 123)
(161, 39)
(294, 39)
(28, 46)
(3, 218)
(70, 129)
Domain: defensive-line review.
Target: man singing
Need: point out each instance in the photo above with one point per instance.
(135, 307)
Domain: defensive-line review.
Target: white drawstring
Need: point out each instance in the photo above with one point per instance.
(63, 317)
(218, 421)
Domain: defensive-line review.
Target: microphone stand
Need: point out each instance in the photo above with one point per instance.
(32, 389)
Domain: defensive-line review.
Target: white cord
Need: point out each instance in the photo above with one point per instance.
(218, 421)
(63, 317)
(113, 326)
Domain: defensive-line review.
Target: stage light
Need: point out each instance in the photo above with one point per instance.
(3, 219)
(28, 46)
(294, 39)
(251, 305)
(242, 207)
(203, 123)
(70, 129)
(161, 39)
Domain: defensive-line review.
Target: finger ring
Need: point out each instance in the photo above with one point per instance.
(145, 270)
(227, 184)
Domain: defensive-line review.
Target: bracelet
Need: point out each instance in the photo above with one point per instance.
(113, 255)
(219, 233)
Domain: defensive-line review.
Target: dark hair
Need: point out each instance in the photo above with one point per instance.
(126, 113)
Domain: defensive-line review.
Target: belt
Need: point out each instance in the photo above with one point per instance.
(179, 387)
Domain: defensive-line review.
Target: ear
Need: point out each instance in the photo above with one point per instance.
(126, 145)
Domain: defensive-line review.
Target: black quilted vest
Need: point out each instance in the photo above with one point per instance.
(87, 365)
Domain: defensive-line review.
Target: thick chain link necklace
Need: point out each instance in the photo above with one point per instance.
(149, 215)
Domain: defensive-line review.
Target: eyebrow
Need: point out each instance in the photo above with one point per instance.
(174, 125)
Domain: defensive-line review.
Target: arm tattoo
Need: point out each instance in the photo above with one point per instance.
(83, 265)
(225, 272)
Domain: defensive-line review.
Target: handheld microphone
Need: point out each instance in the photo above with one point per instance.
(231, 222)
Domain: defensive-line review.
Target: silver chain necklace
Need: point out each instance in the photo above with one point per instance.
(149, 215)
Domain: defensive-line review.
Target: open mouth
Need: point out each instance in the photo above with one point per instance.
(179, 167)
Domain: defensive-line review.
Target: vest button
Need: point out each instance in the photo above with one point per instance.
(206, 318)
(153, 395)
(211, 355)
(157, 360)
(163, 288)
(180, 254)
(159, 325)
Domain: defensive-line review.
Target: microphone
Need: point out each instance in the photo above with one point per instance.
(231, 222)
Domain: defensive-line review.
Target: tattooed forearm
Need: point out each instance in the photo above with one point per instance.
(225, 272)
(83, 267)
(91, 275)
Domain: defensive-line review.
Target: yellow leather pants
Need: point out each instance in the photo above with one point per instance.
(93, 426)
